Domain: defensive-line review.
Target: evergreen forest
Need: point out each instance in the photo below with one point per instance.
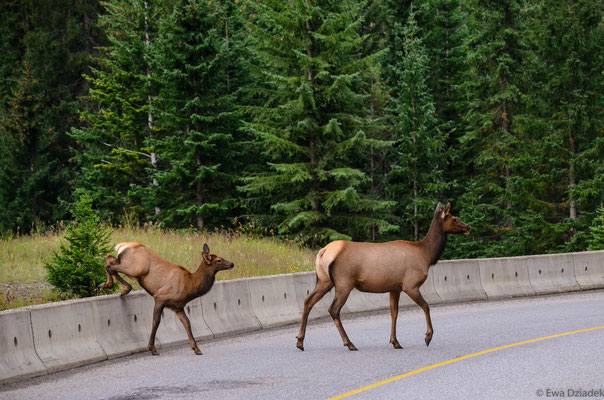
(311, 120)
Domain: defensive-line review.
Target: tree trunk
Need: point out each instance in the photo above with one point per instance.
(415, 223)
(150, 124)
(572, 182)
(506, 128)
(312, 136)
(571, 177)
(199, 196)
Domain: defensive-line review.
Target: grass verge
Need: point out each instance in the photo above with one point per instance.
(22, 259)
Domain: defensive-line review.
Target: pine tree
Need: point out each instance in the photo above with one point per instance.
(446, 27)
(596, 231)
(568, 38)
(497, 150)
(200, 67)
(22, 133)
(52, 43)
(116, 156)
(416, 177)
(316, 97)
(379, 146)
(375, 124)
(12, 29)
(79, 266)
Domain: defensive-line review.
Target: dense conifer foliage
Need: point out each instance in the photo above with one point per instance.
(316, 120)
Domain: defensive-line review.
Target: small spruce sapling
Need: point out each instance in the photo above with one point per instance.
(79, 267)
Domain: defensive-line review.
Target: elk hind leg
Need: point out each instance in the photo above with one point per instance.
(109, 284)
(126, 287)
(109, 261)
(321, 288)
(187, 324)
(334, 310)
(157, 310)
(112, 266)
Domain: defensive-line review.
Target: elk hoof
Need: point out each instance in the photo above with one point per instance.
(396, 345)
(197, 351)
(153, 350)
(351, 347)
(300, 347)
(125, 292)
(428, 340)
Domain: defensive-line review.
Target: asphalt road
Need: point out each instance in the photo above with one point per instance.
(267, 365)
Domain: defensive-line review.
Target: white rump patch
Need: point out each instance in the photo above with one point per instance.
(123, 246)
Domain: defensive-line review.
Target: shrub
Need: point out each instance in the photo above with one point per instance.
(79, 266)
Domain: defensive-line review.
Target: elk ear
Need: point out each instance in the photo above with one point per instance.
(439, 208)
(447, 209)
(205, 254)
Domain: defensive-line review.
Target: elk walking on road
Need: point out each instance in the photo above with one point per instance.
(378, 268)
(170, 285)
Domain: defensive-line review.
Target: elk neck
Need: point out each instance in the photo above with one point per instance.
(435, 241)
(203, 279)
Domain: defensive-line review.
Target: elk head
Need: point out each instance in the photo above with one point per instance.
(214, 262)
(451, 224)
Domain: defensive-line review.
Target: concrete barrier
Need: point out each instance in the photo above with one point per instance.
(172, 331)
(553, 273)
(589, 269)
(458, 280)
(123, 323)
(274, 300)
(58, 336)
(227, 308)
(18, 358)
(65, 334)
(504, 277)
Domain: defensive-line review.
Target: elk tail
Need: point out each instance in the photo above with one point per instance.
(324, 265)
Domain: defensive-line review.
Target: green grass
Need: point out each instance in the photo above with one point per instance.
(22, 258)
(252, 256)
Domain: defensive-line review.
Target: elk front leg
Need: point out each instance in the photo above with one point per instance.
(187, 324)
(317, 294)
(394, 297)
(416, 296)
(334, 310)
(159, 307)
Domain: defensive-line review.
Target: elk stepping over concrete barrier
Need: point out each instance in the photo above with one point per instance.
(170, 285)
(378, 268)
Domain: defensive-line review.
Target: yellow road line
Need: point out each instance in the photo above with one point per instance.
(454, 360)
